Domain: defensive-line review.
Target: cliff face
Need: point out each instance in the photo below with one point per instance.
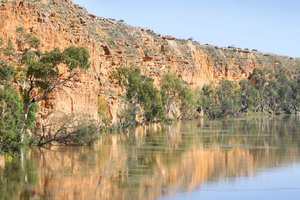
(112, 44)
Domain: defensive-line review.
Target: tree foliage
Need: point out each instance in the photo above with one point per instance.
(37, 75)
(178, 93)
(265, 91)
(103, 111)
(11, 117)
(144, 100)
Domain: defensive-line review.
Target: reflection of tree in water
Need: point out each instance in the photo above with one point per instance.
(253, 132)
(145, 162)
(17, 178)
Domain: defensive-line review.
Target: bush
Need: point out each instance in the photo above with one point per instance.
(85, 133)
(11, 111)
(11, 117)
(103, 111)
(144, 100)
(70, 132)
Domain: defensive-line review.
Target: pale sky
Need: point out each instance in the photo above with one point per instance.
(267, 25)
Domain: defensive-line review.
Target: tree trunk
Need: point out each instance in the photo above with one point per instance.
(169, 108)
(23, 125)
(261, 101)
(26, 111)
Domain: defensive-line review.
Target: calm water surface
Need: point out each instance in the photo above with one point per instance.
(248, 158)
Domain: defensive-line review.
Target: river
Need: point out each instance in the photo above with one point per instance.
(239, 158)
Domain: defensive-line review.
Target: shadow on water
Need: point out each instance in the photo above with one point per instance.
(148, 163)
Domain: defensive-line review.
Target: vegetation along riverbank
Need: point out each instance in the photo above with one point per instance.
(29, 76)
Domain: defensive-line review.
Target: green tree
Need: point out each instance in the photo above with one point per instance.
(11, 110)
(228, 99)
(249, 96)
(294, 94)
(188, 103)
(143, 98)
(277, 90)
(39, 74)
(259, 80)
(42, 74)
(172, 87)
(11, 117)
(103, 111)
(208, 102)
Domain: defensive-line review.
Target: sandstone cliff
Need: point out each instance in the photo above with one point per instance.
(112, 44)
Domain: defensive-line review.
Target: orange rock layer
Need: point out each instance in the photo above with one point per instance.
(113, 44)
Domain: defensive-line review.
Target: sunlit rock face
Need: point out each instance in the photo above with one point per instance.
(113, 44)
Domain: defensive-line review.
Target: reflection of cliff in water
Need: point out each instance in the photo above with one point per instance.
(153, 161)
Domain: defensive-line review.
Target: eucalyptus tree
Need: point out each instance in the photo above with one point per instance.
(40, 74)
(259, 80)
(143, 99)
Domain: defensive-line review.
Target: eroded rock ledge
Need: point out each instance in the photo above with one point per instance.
(113, 44)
